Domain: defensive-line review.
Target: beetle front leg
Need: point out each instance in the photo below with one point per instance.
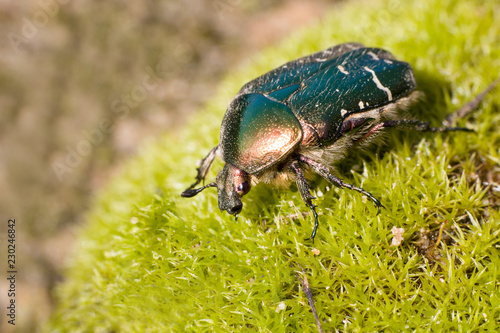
(325, 173)
(205, 165)
(305, 194)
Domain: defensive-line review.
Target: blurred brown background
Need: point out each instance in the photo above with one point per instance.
(83, 85)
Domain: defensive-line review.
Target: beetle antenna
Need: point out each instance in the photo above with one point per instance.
(191, 192)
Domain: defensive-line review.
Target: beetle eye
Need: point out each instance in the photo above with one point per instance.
(243, 188)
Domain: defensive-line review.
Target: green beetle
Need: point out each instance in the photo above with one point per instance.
(305, 115)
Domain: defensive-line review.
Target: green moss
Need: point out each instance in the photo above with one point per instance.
(151, 261)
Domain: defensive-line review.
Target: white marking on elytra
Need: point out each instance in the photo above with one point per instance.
(343, 112)
(361, 105)
(342, 69)
(387, 61)
(373, 55)
(379, 85)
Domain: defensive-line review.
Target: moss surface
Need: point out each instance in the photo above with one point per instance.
(149, 260)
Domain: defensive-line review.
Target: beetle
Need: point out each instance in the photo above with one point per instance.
(305, 116)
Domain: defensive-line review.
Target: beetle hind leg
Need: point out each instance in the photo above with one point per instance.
(470, 106)
(448, 122)
(423, 126)
(305, 194)
(466, 109)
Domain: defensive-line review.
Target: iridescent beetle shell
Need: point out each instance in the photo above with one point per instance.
(257, 132)
(306, 114)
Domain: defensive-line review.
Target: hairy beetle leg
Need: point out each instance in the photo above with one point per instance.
(305, 194)
(325, 173)
(467, 108)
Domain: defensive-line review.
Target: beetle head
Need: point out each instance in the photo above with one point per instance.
(232, 184)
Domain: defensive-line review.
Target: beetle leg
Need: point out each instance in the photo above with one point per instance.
(423, 126)
(325, 173)
(305, 194)
(205, 165)
(460, 113)
(191, 192)
(470, 106)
